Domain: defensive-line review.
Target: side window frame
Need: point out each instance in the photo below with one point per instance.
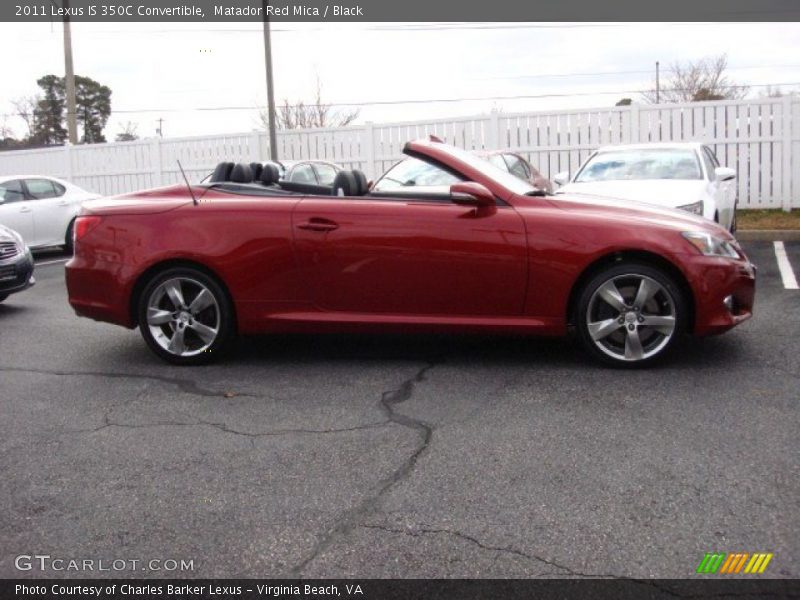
(522, 163)
(315, 167)
(708, 163)
(308, 166)
(31, 195)
(23, 191)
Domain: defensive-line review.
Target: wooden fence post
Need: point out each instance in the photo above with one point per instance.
(369, 150)
(68, 162)
(156, 168)
(786, 153)
(493, 141)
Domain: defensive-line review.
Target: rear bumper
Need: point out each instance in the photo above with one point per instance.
(16, 274)
(97, 291)
(724, 293)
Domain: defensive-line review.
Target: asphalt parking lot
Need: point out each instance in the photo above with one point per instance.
(389, 456)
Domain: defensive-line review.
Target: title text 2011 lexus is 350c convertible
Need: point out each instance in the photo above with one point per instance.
(443, 242)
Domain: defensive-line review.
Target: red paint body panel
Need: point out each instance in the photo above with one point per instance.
(294, 263)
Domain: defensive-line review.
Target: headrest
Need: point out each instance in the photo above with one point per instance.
(270, 174)
(242, 173)
(222, 172)
(344, 184)
(256, 168)
(361, 182)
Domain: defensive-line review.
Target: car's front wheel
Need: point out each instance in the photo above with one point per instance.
(630, 314)
(185, 316)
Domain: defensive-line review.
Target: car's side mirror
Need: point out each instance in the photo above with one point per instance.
(724, 174)
(561, 178)
(471, 193)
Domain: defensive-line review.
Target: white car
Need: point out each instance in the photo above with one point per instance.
(40, 208)
(687, 176)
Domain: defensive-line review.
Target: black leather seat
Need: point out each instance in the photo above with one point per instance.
(222, 172)
(241, 173)
(361, 183)
(345, 184)
(270, 174)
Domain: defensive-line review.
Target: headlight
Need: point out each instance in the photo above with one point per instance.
(709, 245)
(696, 208)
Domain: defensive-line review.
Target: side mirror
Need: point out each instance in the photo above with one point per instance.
(724, 174)
(471, 193)
(561, 178)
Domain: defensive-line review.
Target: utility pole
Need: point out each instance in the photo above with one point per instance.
(273, 138)
(69, 78)
(658, 84)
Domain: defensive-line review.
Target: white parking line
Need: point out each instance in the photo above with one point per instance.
(785, 267)
(51, 262)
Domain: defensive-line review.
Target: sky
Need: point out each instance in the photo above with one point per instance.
(167, 70)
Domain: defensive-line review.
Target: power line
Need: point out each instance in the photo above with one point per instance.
(631, 72)
(429, 100)
(449, 100)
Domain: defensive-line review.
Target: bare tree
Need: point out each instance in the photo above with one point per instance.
(776, 92)
(5, 130)
(698, 81)
(305, 116)
(25, 108)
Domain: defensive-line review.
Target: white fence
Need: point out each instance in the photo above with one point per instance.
(759, 138)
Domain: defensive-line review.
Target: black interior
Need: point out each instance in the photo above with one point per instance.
(264, 179)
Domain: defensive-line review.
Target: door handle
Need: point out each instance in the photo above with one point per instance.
(317, 224)
(25, 209)
(63, 203)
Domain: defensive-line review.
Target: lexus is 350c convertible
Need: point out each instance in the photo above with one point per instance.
(443, 242)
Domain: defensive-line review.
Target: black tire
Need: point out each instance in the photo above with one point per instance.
(3, 297)
(68, 238)
(652, 343)
(223, 323)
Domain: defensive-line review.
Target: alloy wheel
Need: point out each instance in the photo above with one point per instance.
(183, 316)
(631, 317)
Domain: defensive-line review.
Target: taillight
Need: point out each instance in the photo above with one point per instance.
(84, 225)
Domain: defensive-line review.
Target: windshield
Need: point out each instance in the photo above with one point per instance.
(504, 178)
(414, 173)
(641, 164)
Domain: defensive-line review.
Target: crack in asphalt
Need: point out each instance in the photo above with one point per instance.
(187, 386)
(222, 427)
(349, 520)
(191, 388)
(563, 570)
(498, 549)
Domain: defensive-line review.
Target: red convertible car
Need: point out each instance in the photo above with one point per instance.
(443, 242)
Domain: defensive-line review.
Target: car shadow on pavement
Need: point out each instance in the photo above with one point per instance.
(505, 350)
(8, 310)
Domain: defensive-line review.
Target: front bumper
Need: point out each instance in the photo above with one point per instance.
(724, 292)
(16, 274)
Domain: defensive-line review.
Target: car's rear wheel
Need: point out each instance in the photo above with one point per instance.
(185, 316)
(630, 314)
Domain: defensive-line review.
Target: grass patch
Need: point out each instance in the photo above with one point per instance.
(768, 219)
